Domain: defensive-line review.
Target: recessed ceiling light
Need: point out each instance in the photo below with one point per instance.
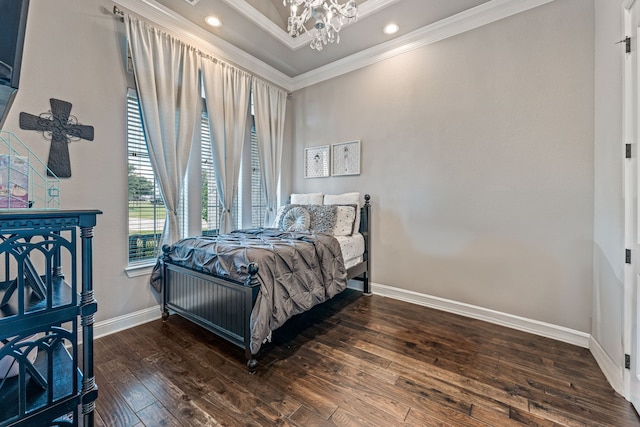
(391, 28)
(214, 21)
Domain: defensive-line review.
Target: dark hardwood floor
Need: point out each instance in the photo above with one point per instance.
(354, 361)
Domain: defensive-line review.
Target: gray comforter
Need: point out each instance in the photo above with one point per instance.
(296, 270)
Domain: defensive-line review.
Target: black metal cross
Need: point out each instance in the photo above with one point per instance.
(59, 125)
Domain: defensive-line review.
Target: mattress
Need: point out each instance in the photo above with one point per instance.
(352, 249)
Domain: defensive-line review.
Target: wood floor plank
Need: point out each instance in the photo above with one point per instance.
(113, 408)
(132, 390)
(157, 415)
(354, 361)
(309, 418)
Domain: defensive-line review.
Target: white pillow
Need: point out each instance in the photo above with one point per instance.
(306, 199)
(346, 199)
(345, 220)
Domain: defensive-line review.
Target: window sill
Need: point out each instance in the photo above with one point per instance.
(136, 270)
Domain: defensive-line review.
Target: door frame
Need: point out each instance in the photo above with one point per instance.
(631, 209)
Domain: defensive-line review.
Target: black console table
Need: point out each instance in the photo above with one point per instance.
(47, 312)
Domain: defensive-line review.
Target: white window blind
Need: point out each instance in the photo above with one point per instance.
(210, 204)
(258, 200)
(146, 209)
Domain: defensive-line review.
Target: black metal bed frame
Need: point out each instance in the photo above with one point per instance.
(223, 306)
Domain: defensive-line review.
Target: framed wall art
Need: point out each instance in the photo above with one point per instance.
(316, 162)
(345, 158)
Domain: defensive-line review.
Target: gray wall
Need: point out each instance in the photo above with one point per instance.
(73, 51)
(478, 153)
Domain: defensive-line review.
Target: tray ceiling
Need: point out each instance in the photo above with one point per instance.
(258, 27)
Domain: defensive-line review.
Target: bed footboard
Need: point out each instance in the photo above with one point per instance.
(219, 305)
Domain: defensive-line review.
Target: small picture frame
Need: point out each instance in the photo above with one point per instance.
(316, 162)
(345, 158)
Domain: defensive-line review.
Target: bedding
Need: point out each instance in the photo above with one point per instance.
(296, 270)
(352, 248)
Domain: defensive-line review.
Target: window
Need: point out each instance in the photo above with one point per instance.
(211, 215)
(146, 208)
(258, 199)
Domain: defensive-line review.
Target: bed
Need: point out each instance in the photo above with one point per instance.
(244, 285)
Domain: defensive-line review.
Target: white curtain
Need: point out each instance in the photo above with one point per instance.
(269, 105)
(227, 93)
(166, 73)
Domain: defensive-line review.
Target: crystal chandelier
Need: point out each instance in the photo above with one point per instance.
(328, 15)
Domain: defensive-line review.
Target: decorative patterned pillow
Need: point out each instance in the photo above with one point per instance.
(323, 218)
(306, 199)
(296, 218)
(345, 220)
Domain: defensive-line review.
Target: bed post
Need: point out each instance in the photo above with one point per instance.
(163, 292)
(365, 227)
(253, 286)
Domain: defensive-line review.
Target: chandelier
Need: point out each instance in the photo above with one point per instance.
(328, 15)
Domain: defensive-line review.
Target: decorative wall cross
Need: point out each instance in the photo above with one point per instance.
(59, 125)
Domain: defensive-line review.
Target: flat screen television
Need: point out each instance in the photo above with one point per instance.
(13, 24)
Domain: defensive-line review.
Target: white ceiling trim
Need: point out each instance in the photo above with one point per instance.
(484, 14)
(478, 16)
(261, 21)
(202, 39)
(249, 12)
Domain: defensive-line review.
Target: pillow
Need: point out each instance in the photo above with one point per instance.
(306, 199)
(295, 219)
(278, 218)
(345, 220)
(346, 199)
(323, 218)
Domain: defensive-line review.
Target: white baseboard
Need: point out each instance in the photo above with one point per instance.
(536, 327)
(110, 326)
(613, 372)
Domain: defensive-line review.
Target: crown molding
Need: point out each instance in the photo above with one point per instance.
(252, 14)
(203, 40)
(484, 14)
(478, 16)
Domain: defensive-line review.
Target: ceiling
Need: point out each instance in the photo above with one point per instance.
(258, 27)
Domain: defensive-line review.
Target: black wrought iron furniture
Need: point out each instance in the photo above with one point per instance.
(46, 379)
(227, 306)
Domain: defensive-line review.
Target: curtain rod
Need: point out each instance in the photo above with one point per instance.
(117, 11)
